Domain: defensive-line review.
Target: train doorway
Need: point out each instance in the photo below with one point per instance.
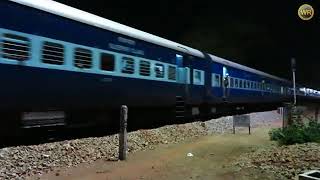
(183, 72)
(225, 83)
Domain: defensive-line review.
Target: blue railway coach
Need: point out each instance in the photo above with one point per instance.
(55, 58)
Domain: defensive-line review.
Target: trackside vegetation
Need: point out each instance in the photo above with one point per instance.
(297, 133)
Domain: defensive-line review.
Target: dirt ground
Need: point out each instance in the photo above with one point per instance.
(212, 159)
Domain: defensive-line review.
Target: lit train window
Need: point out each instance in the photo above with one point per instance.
(107, 62)
(216, 80)
(52, 53)
(240, 83)
(248, 84)
(172, 74)
(15, 47)
(127, 65)
(231, 82)
(83, 58)
(198, 77)
(270, 88)
(144, 68)
(159, 70)
(236, 83)
(251, 84)
(244, 83)
(255, 85)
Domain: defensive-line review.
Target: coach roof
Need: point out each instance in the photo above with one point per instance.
(94, 20)
(245, 68)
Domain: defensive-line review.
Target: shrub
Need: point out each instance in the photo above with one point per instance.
(296, 133)
(312, 132)
(275, 134)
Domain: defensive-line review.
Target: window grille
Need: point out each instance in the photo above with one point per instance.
(172, 73)
(53, 53)
(15, 47)
(144, 68)
(127, 65)
(83, 58)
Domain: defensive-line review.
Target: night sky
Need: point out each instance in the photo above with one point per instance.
(260, 34)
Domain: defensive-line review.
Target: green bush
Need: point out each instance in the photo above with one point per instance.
(296, 133)
(275, 134)
(312, 132)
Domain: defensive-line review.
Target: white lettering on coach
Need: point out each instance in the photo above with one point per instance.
(126, 41)
(126, 49)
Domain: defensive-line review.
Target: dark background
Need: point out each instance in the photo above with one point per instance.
(260, 34)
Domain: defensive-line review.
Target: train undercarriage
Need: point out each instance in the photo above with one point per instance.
(16, 123)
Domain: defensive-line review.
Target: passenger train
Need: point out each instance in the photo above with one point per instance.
(63, 66)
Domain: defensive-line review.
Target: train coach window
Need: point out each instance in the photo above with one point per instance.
(159, 70)
(53, 53)
(231, 82)
(107, 62)
(127, 65)
(255, 86)
(248, 84)
(82, 58)
(236, 83)
(215, 80)
(240, 83)
(244, 83)
(251, 84)
(15, 47)
(198, 77)
(144, 68)
(172, 74)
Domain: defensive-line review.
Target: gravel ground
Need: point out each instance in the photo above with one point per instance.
(285, 161)
(22, 161)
